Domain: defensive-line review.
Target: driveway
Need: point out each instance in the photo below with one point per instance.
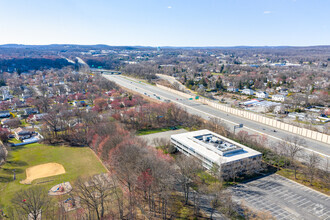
(166, 134)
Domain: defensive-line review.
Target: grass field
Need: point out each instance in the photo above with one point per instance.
(156, 130)
(76, 161)
(151, 131)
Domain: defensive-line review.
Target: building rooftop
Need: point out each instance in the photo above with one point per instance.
(214, 147)
(216, 144)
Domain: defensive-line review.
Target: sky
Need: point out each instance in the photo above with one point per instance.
(166, 22)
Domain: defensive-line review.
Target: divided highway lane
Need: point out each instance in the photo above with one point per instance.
(206, 112)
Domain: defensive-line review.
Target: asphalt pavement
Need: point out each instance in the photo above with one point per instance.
(283, 198)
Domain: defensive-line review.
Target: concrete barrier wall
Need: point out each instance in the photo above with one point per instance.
(256, 117)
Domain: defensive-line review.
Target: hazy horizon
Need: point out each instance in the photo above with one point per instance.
(170, 46)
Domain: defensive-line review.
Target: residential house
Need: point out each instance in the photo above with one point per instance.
(30, 111)
(279, 98)
(270, 90)
(295, 115)
(3, 121)
(4, 114)
(23, 133)
(232, 89)
(262, 94)
(5, 93)
(247, 91)
(10, 122)
(38, 117)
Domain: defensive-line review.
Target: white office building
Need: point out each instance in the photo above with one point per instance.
(212, 148)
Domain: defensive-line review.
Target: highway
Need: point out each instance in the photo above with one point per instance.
(207, 112)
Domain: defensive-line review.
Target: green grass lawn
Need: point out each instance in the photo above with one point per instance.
(24, 123)
(76, 161)
(217, 74)
(14, 141)
(151, 131)
(157, 130)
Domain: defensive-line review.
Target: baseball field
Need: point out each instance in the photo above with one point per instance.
(39, 164)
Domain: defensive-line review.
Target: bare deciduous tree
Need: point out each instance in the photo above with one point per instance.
(176, 86)
(94, 193)
(312, 162)
(164, 144)
(127, 162)
(218, 126)
(188, 168)
(214, 190)
(53, 122)
(3, 154)
(291, 148)
(33, 202)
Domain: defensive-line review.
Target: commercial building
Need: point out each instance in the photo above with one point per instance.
(214, 149)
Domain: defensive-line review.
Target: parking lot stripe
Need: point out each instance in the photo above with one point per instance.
(308, 201)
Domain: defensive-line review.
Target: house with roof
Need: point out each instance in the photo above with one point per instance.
(247, 91)
(262, 94)
(37, 117)
(24, 133)
(232, 89)
(279, 98)
(30, 111)
(4, 114)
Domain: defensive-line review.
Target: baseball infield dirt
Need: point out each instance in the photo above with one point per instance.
(42, 170)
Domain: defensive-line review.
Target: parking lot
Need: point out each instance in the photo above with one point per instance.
(283, 198)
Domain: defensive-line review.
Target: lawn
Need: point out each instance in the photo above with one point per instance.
(151, 131)
(156, 130)
(76, 161)
(217, 74)
(14, 141)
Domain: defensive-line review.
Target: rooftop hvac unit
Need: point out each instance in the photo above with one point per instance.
(215, 139)
(205, 138)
